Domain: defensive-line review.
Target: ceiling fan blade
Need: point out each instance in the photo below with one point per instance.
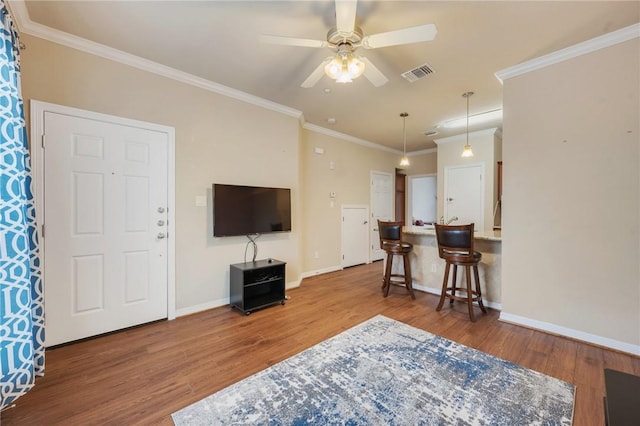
(372, 73)
(292, 41)
(346, 15)
(405, 36)
(316, 75)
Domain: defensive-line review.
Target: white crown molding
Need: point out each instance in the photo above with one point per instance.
(606, 40)
(26, 25)
(462, 137)
(348, 138)
(421, 152)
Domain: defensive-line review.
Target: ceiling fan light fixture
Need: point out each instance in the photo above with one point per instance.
(345, 66)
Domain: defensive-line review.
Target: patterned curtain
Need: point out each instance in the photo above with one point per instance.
(21, 292)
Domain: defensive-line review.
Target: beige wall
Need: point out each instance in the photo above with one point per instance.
(350, 180)
(422, 164)
(571, 219)
(218, 139)
(221, 140)
(484, 144)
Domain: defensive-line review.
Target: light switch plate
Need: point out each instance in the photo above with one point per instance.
(201, 201)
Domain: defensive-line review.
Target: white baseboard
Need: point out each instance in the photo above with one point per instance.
(319, 272)
(436, 291)
(202, 307)
(568, 332)
(222, 302)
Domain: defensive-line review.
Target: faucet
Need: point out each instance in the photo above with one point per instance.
(453, 219)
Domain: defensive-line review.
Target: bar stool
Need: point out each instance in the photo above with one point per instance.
(455, 246)
(392, 244)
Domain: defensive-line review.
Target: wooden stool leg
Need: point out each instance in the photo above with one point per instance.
(475, 270)
(408, 280)
(387, 274)
(443, 294)
(469, 293)
(455, 281)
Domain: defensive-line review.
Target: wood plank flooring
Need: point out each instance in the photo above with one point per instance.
(143, 374)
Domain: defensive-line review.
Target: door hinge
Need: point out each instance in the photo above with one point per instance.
(42, 231)
(42, 141)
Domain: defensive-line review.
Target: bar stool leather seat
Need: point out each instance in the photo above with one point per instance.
(392, 244)
(455, 246)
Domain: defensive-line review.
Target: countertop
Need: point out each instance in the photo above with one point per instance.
(429, 230)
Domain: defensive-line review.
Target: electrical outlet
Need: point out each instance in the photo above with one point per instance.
(316, 255)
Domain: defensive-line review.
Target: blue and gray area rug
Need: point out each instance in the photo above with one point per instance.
(384, 372)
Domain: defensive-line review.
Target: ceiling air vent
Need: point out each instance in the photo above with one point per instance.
(418, 73)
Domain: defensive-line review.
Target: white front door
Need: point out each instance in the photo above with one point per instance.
(381, 208)
(355, 235)
(463, 192)
(105, 226)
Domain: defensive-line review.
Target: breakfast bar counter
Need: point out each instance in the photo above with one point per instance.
(428, 269)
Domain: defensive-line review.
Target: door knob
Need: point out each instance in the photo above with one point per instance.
(365, 222)
(160, 235)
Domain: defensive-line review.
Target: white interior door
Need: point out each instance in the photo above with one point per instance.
(355, 235)
(105, 222)
(381, 208)
(464, 189)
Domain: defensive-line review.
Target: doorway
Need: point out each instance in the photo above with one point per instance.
(423, 190)
(104, 203)
(381, 209)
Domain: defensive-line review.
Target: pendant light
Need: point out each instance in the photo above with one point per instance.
(404, 162)
(467, 152)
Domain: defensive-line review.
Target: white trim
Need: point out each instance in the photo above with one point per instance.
(38, 109)
(319, 272)
(569, 332)
(116, 55)
(390, 206)
(436, 291)
(348, 138)
(26, 25)
(421, 152)
(462, 137)
(202, 307)
(606, 40)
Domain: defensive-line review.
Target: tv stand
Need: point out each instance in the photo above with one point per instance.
(256, 285)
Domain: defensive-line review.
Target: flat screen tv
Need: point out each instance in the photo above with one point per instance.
(246, 210)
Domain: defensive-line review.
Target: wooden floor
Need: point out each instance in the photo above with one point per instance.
(142, 375)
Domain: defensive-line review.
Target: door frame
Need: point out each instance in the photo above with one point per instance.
(372, 225)
(445, 207)
(36, 145)
(354, 206)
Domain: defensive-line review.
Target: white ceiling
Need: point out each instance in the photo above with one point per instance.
(218, 41)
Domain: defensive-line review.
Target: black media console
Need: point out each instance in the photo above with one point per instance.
(255, 285)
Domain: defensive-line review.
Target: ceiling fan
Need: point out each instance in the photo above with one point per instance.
(345, 38)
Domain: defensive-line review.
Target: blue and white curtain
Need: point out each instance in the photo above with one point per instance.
(21, 292)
